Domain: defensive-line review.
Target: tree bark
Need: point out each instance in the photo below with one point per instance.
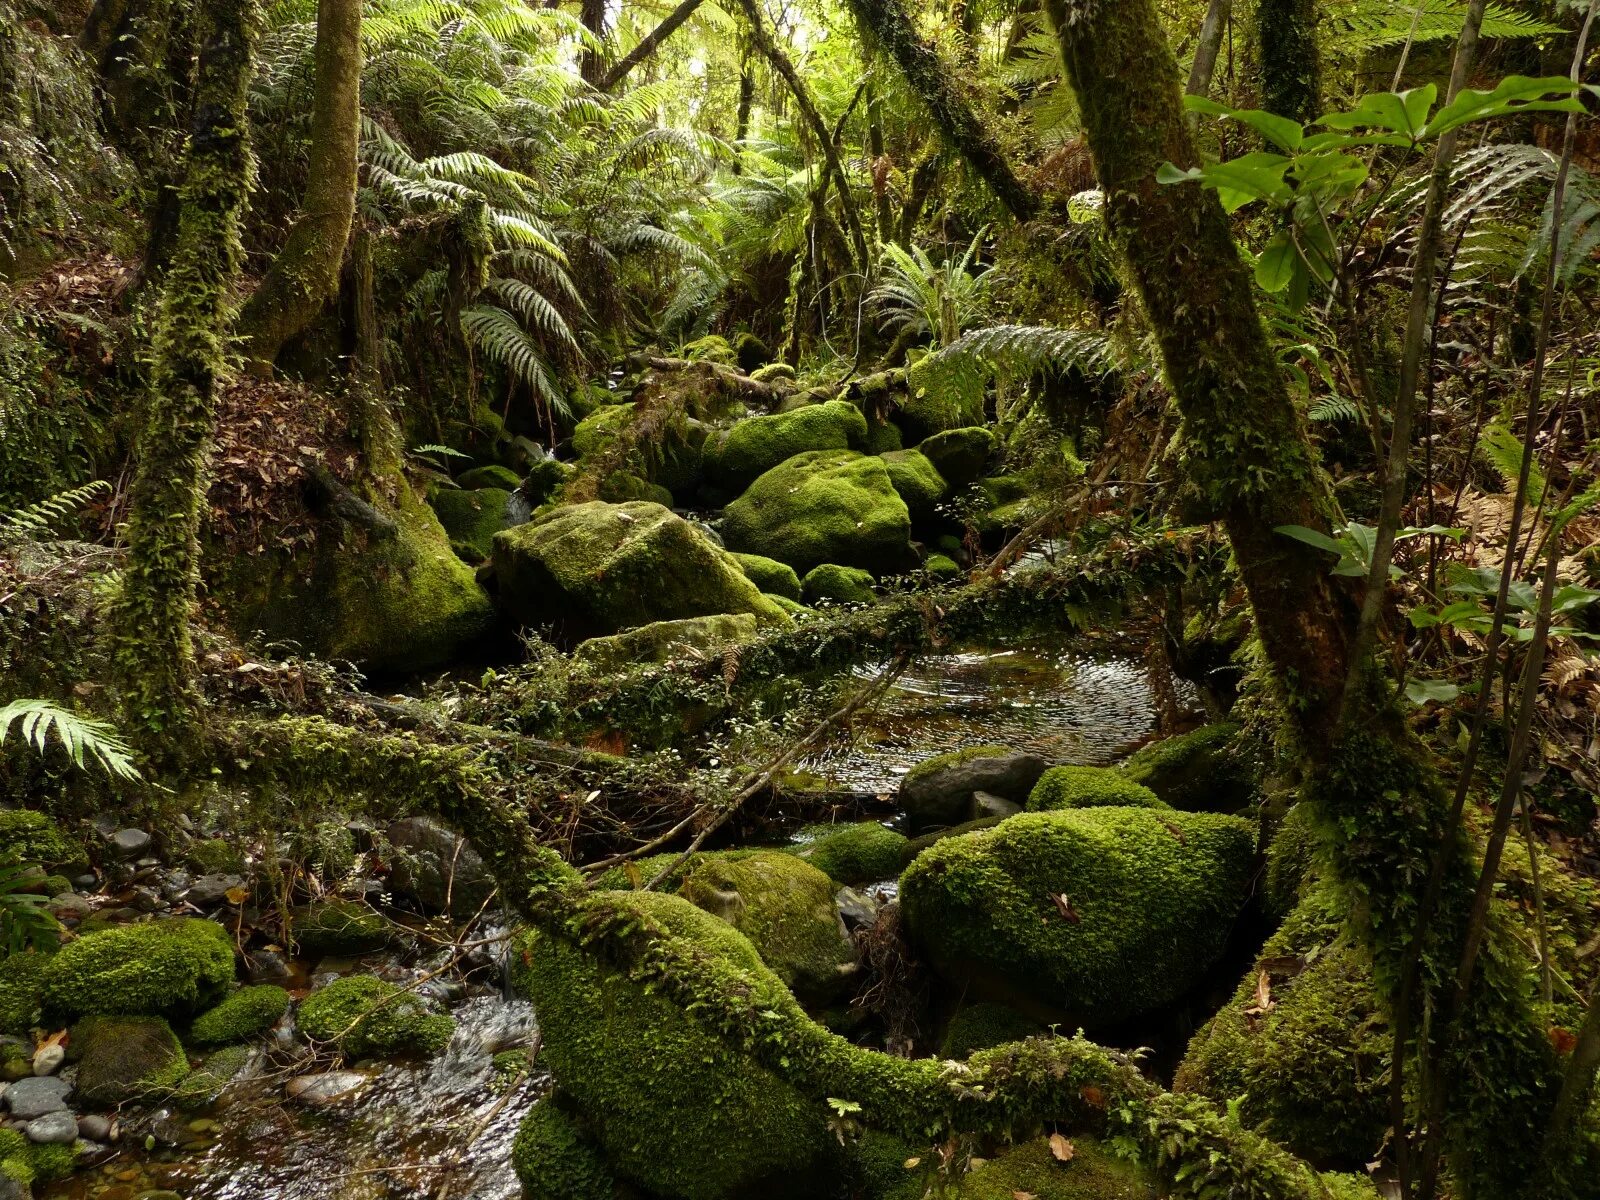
(648, 44)
(593, 15)
(1291, 67)
(305, 275)
(1218, 13)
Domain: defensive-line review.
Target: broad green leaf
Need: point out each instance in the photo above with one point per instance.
(1277, 263)
(1514, 93)
(1280, 131)
(1167, 173)
(1426, 691)
(1403, 113)
(1310, 537)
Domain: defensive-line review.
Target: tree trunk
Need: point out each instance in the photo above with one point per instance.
(880, 167)
(305, 275)
(593, 15)
(154, 655)
(647, 45)
(1218, 13)
(1291, 70)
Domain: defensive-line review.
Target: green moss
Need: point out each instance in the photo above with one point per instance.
(171, 967)
(792, 607)
(861, 853)
(1150, 897)
(1032, 1169)
(773, 372)
(216, 856)
(27, 1163)
(951, 758)
(843, 585)
(662, 641)
(597, 568)
(771, 576)
(917, 482)
(942, 567)
(365, 1016)
(32, 837)
(738, 457)
(491, 476)
(829, 506)
(471, 519)
(879, 1171)
(554, 1160)
(21, 990)
(1202, 770)
(980, 1026)
(600, 430)
(545, 477)
(918, 844)
(620, 487)
(53, 885)
(961, 455)
(127, 1058)
(675, 1108)
(1088, 787)
(249, 1011)
(1312, 1068)
(338, 928)
(204, 1083)
(883, 437)
(784, 905)
(1291, 856)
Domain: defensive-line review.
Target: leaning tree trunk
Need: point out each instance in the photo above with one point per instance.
(647, 45)
(305, 275)
(154, 655)
(1250, 463)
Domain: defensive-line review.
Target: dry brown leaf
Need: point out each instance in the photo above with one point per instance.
(1064, 907)
(1060, 1148)
(1092, 1096)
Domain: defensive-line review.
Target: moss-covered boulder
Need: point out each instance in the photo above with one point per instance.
(1088, 787)
(829, 506)
(662, 641)
(939, 790)
(620, 487)
(1093, 915)
(492, 475)
(785, 907)
(364, 1016)
(471, 519)
(33, 837)
(1311, 1064)
(600, 430)
(917, 482)
(1033, 1169)
(861, 853)
(207, 1079)
(21, 991)
(244, 1014)
(841, 585)
(593, 569)
(942, 567)
(771, 576)
(170, 968)
(126, 1058)
(737, 457)
(338, 928)
(961, 455)
(1204, 770)
(555, 1159)
(982, 1025)
(674, 1107)
(24, 1163)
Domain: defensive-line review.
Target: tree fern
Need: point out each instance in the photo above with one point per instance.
(83, 738)
(1363, 26)
(496, 333)
(38, 518)
(1503, 449)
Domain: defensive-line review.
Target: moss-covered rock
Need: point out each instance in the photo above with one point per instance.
(829, 506)
(21, 991)
(939, 790)
(365, 1016)
(207, 1079)
(216, 856)
(556, 1160)
(24, 1163)
(127, 1058)
(861, 853)
(842, 585)
(1095, 914)
(600, 430)
(675, 1108)
(33, 837)
(621, 487)
(924, 412)
(737, 457)
(961, 455)
(1204, 770)
(662, 641)
(471, 519)
(493, 475)
(773, 372)
(1032, 1169)
(1291, 856)
(171, 967)
(785, 907)
(338, 928)
(942, 567)
(247, 1012)
(982, 1025)
(1088, 787)
(598, 568)
(883, 437)
(771, 576)
(917, 482)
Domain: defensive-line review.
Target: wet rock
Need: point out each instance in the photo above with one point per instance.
(128, 843)
(856, 909)
(35, 1097)
(326, 1088)
(212, 889)
(86, 881)
(939, 791)
(95, 1128)
(338, 927)
(47, 1060)
(266, 966)
(10, 1189)
(147, 900)
(127, 1058)
(987, 804)
(52, 1129)
(437, 868)
(71, 906)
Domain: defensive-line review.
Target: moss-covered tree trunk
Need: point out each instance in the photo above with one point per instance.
(1251, 464)
(1291, 69)
(305, 275)
(647, 45)
(158, 591)
(590, 64)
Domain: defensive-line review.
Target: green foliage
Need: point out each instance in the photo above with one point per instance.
(25, 923)
(852, 854)
(21, 989)
(125, 1058)
(931, 301)
(33, 837)
(247, 1012)
(982, 1025)
(840, 585)
(79, 736)
(365, 1016)
(339, 928)
(37, 519)
(1088, 787)
(554, 1161)
(168, 967)
(1362, 26)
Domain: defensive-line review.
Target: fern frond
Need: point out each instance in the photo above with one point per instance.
(496, 333)
(38, 517)
(80, 736)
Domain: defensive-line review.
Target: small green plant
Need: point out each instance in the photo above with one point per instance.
(82, 737)
(1353, 543)
(25, 923)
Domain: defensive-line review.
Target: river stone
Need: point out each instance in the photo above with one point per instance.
(94, 1128)
(326, 1088)
(987, 804)
(53, 1129)
(47, 1060)
(663, 641)
(126, 1058)
(940, 790)
(36, 1096)
(435, 867)
(213, 889)
(128, 843)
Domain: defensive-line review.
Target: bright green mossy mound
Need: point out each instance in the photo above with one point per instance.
(21, 990)
(1202, 770)
(172, 967)
(771, 576)
(1032, 1170)
(830, 506)
(338, 928)
(784, 905)
(942, 566)
(662, 641)
(366, 1016)
(32, 837)
(674, 1107)
(471, 519)
(979, 1026)
(127, 1058)
(25, 1163)
(917, 481)
(620, 487)
(1313, 1067)
(598, 568)
(961, 455)
(491, 476)
(1088, 787)
(862, 853)
(1149, 898)
(737, 458)
(555, 1161)
(244, 1014)
(216, 856)
(842, 585)
(601, 428)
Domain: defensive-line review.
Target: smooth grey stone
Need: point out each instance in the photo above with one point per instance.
(433, 863)
(94, 1128)
(213, 889)
(36, 1096)
(84, 882)
(942, 795)
(267, 966)
(47, 1060)
(70, 904)
(326, 1088)
(53, 1129)
(987, 804)
(128, 843)
(857, 909)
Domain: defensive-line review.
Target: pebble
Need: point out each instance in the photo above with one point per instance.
(53, 1129)
(30, 1098)
(129, 843)
(858, 909)
(987, 804)
(47, 1060)
(147, 900)
(213, 889)
(326, 1088)
(70, 904)
(85, 882)
(95, 1128)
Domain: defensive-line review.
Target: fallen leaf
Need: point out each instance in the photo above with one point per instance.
(1564, 1040)
(236, 895)
(1023, 1196)
(1064, 907)
(1060, 1148)
(1092, 1096)
(1263, 995)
